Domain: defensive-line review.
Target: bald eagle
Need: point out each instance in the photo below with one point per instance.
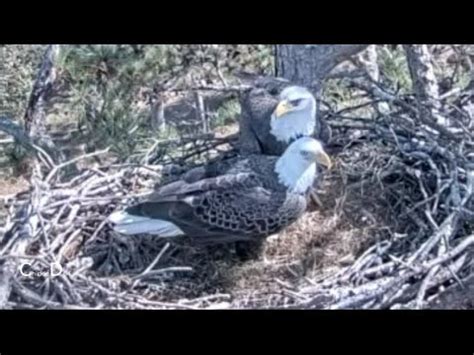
(239, 199)
(274, 123)
(268, 123)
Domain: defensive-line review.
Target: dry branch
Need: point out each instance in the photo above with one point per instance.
(433, 185)
(423, 170)
(63, 219)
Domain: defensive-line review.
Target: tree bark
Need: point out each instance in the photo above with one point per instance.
(308, 65)
(425, 85)
(35, 115)
(368, 59)
(33, 136)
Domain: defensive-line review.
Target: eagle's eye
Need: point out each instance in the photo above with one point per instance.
(295, 102)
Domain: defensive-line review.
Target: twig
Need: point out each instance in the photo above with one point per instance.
(152, 273)
(152, 265)
(73, 161)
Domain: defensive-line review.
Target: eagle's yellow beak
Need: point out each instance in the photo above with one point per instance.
(282, 108)
(323, 159)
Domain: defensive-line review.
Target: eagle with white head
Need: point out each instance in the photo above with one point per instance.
(295, 115)
(269, 122)
(237, 199)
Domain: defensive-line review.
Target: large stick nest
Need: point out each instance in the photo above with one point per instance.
(396, 213)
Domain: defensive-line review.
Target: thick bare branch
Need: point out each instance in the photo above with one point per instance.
(12, 128)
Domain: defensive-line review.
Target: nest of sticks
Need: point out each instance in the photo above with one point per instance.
(57, 250)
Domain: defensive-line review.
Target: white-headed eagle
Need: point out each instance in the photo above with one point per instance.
(236, 199)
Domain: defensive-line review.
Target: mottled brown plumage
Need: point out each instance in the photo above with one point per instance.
(235, 199)
(238, 199)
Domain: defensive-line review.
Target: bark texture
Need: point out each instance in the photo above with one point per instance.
(309, 64)
(425, 85)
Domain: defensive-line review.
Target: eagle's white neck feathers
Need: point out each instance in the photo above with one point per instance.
(293, 170)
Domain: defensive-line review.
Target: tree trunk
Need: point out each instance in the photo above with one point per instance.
(308, 65)
(425, 85)
(35, 115)
(33, 136)
(367, 60)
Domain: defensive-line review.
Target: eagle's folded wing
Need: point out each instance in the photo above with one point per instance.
(234, 204)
